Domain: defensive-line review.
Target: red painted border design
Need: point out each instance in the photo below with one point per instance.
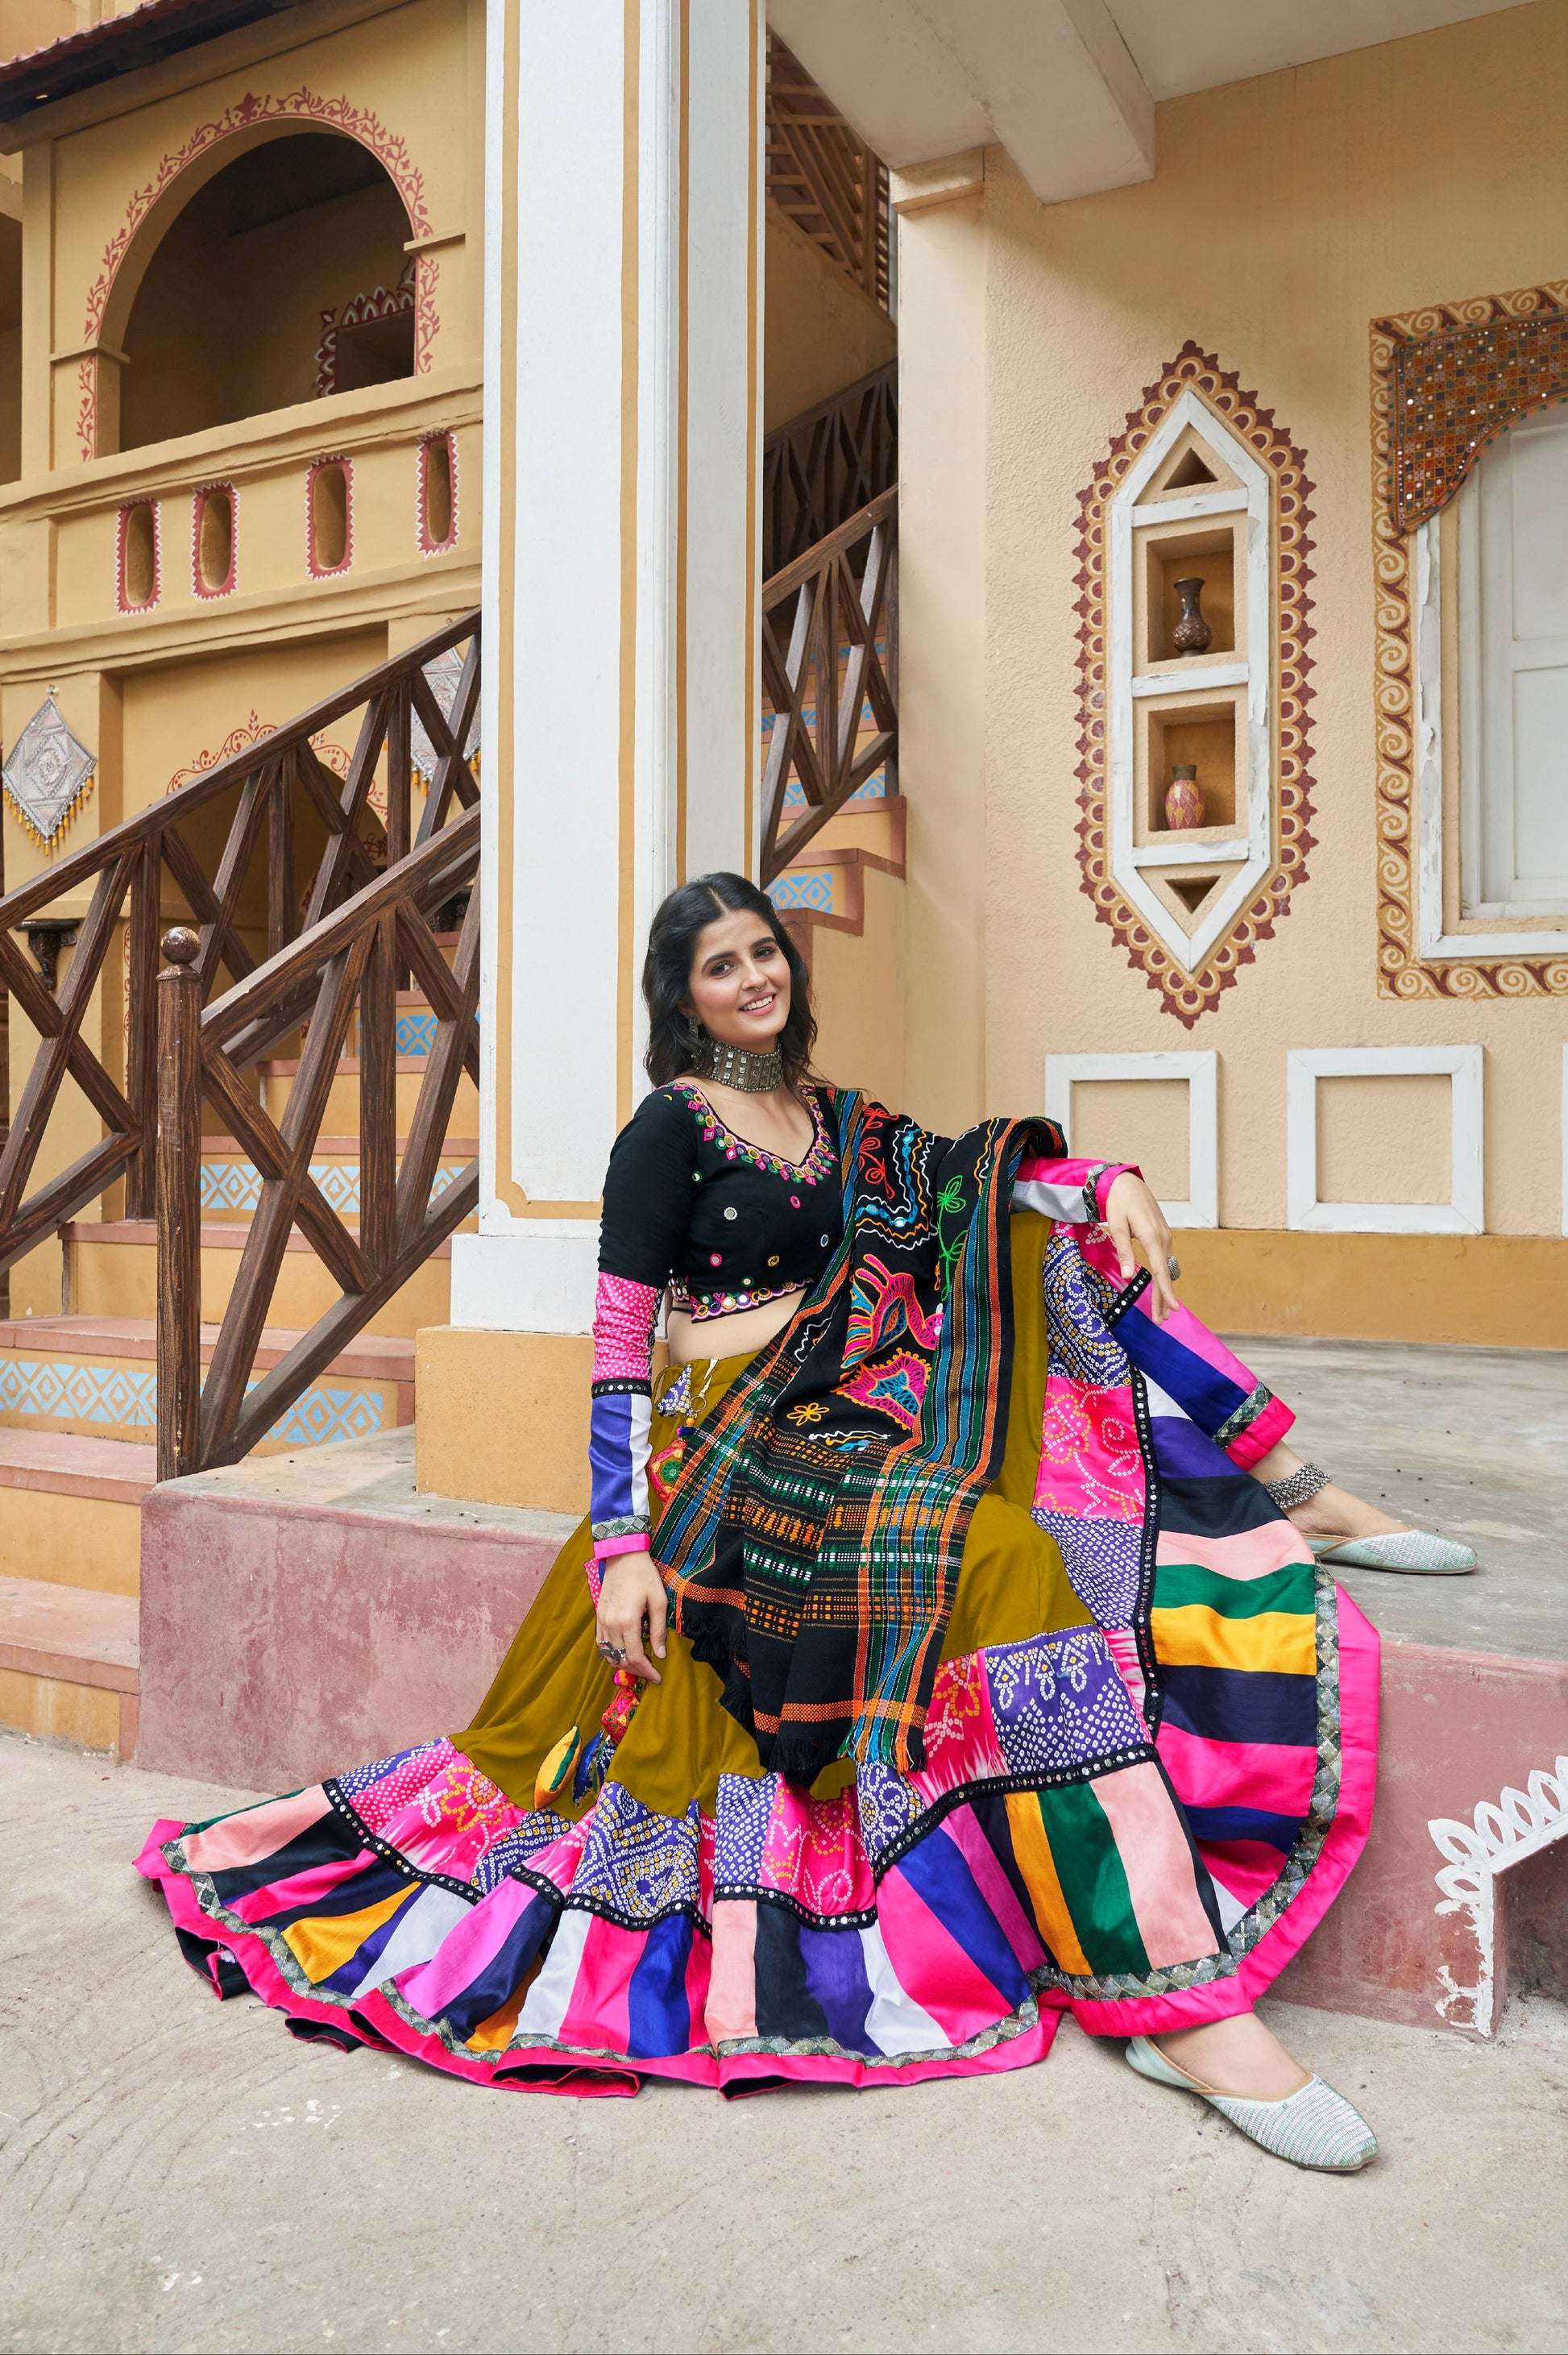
(198, 508)
(330, 571)
(121, 603)
(1189, 995)
(1401, 970)
(427, 320)
(253, 731)
(303, 105)
(428, 547)
(383, 303)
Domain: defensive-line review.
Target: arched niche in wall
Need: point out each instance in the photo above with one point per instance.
(1193, 673)
(218, 305)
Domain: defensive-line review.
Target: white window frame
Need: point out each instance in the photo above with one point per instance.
(1251, 852)
(1426, 557)
(1201, 1071)
(1463, 1214)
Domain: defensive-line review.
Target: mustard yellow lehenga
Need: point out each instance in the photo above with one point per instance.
(1147, 1767)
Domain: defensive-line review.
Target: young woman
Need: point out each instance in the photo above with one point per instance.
(940, 1663)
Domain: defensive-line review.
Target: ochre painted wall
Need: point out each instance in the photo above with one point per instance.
(1288, 212)
(154, 692)
(820, 332)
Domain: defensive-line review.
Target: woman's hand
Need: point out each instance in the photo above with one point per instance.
(631, 1593)
(1133, 1216)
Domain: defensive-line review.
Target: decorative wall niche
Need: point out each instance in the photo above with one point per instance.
(215, 540)
(437, 494)
(1200, 1070)
(329, 517)
(1464, 1213)
(1193, 657)
(138, 567)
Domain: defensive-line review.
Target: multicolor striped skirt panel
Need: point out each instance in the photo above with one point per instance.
(1144, 1784)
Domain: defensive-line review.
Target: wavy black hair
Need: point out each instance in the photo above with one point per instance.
(674, 1036)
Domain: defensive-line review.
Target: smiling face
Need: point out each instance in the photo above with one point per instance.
(739, 983)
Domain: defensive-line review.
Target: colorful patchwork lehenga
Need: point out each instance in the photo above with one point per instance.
(1056, 1710)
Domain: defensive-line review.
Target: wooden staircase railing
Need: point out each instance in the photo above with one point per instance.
(826, 464)
(824, 618)
(350, 959)
(159, 863)
(823, 173)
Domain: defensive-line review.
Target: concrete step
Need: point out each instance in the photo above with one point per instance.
(96, 1376)
(342, 1115)
(381, 1610)
(72, 1506)
(68, 1664)
(825, 886)
(113, 1271)
(231, 1183)
(422, 1594)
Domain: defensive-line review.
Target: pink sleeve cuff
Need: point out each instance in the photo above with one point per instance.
(637, 1542)
(1108, 1177)
(605, 1553)
(1071, 1190)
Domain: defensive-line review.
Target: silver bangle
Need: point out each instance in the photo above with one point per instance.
(1298, 1487)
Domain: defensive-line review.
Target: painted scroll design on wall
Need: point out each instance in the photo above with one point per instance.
(304, 105)
(1190, 995)
(1401, 971)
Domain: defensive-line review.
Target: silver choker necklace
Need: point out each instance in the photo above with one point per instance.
(739, 1068)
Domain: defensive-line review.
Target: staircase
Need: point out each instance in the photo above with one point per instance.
(80, 1389)
(272, 1160)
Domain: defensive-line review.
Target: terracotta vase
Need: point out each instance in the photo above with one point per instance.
(1191, 634)
(1183, 800)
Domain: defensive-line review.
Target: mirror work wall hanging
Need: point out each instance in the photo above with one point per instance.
(48, 775)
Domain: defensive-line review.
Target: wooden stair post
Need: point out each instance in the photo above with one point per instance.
(179, 1206)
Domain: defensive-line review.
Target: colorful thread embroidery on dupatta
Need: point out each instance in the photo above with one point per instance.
(818, 1581)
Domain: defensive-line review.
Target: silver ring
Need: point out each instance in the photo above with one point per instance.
(1174, 1264)
(610, 1652)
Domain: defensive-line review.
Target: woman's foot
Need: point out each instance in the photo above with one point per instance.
(1239, 2057)
(1336, 1512)
(1306, 2122)
(1342, 1527)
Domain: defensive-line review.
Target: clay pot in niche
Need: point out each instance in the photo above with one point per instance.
(1191, 634)
(1183, 798)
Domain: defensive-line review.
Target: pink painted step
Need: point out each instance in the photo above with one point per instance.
(70, 1632)
(373, 1356)
(74, 1635)
(118, 1471)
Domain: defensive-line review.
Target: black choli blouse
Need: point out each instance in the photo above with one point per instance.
(694, 1212)
(723, 1223)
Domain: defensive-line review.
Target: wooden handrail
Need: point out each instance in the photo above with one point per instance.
(284, 792)
(835, 606)
(346, 964)
(821, 173)
(824, 465)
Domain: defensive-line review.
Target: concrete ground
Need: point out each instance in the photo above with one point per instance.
(1471, 1443)
(175, 2175)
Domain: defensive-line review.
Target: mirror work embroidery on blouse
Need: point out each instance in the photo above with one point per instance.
(821, 1162)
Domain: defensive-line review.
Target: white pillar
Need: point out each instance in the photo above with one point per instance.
(622, 405)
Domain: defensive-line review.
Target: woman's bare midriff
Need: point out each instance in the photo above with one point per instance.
(691, 1339)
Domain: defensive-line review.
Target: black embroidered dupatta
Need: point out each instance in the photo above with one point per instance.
(812, 1543)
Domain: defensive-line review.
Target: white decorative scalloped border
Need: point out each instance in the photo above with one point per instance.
(1518, 1826)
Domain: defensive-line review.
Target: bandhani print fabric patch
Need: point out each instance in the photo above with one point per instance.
(1139, 1818)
